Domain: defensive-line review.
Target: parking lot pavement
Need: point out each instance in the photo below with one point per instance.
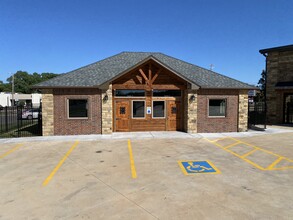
(93, 179)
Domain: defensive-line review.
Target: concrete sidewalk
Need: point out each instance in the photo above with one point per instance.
(147, 135)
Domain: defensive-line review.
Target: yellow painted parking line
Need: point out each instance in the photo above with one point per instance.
(218, 139)
(275, 163)
(250, 152)
(231, 145)
(47, 180)
(239, 156)
(243, 157)
(264, 150)
(282, 168)
(10, 151)
(132, 166)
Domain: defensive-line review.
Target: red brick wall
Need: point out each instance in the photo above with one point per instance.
(65, 126)
(206, 124)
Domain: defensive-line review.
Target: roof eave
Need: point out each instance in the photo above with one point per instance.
(282, 48)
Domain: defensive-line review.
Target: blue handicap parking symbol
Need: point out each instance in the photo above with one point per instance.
(193, 167)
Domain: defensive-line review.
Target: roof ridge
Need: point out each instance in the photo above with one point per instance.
(140, 52)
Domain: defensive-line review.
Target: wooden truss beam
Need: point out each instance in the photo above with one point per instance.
(144, 76)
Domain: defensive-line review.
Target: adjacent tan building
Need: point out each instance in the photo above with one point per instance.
(279, 85)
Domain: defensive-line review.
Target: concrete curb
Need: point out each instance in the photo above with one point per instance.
(145, 135)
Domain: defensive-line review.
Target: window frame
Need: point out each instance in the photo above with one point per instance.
(154, 111)
(138, 100)
(219, 116)
(87, 104)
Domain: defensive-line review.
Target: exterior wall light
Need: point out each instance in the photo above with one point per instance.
(192, 98)
(105, 99)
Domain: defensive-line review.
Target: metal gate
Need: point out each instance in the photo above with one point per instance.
(20, 121)
(288, 108)
(257, 115)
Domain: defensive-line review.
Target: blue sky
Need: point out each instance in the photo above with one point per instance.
(60, 36)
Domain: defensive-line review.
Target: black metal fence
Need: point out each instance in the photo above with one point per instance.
(20, 121)
(257, 115)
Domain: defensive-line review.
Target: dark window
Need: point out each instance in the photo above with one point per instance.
(77, 108)
(174, 110)
(129, 93)
(217, 107)
(122, 110)
(138, 109)
(158, 109)
(166, 93)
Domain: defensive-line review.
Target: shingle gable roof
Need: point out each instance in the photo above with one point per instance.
(96, 74)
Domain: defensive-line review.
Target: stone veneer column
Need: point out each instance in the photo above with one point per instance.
(47, 112)
(243, 111)
(107, 111)
(272, 79)
(190, 116)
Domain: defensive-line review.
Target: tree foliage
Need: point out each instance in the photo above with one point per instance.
(4, 87)
(23, 81)
(262, 86)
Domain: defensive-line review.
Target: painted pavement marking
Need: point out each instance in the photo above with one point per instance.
(47, 180)
(132, 166)
(11, 151)
(272, 166)
(191, 167)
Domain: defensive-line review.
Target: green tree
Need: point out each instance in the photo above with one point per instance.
(1, 86)
(47, 76)
(5, 87)
(262, 86)
(23, 81)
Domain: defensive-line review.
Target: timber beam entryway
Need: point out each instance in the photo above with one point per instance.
(148, 98)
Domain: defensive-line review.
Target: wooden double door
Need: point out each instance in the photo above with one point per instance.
(124, 122)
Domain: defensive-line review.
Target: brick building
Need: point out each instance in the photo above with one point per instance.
(137, 91)
(279, 85)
